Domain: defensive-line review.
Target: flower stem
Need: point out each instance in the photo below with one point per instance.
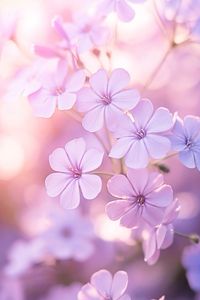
(192, 237)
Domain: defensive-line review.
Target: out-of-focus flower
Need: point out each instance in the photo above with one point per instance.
(8, 26)
(142, 138)
(142, 197)
(23, 255)
(105, 286)
(69, 236)
(161, 236)
(63, 292)
(106, 99)
(58, 89)
(121, 7)
(191, 261)
(186, 140)
(87, 32)
(73, 166)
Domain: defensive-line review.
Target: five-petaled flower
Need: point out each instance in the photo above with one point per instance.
(104, 286)
(186, 140)
(72, 177)
(106, 99)
(142, 198)
(142, 137)
(57, 89)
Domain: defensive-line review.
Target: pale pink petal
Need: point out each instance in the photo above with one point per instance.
(112, 116)
(169, 237)
(160, 197)
(154, 182)
(43, 105)
(158, 146)
(99, 82)
(57, 23)
(121, 147)
(137, 156)
(99, 35)
(149, 245)
(119, 79)
(116, 209)
(119, 186)
(171, 213)
(76, 81)
(59, 161)
(61, 73)
(142, 113)
(187, 158)
(139, 179)
(70, 197)
(84, 43)
(75, 150)
(90, 185)
(44, 51)
(91, 160)
(152, 214)
(102, 281)
(94, 119)
(124, 11)
(88, 292)
(66, 101)
(126, 100)
(55, 183)
(160, 235)
(119, 284)
(161, 120)
(106, 7)
(132, 218)
(86, 100)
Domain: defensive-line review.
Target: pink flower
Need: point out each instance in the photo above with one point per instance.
(87, 32)
(69, 236)
(142, 138)
(186, 140)
(121, 7)
(72, 166)
(58, 89)
(105, 99)
(105, 286)
(161, 236)
(143, 198)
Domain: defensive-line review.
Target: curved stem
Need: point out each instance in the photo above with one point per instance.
(192, 237)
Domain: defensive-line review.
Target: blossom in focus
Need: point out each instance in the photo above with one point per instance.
(106, 99)
(58, 89)
(72, 178)
(142, 198)
(161, 236)
(105, 286)
(141, 137)
(121, 7)
(191, 262)
(63, 292)
(69, 236)
(186, 140)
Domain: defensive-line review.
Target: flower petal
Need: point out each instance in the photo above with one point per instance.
(119, 284)
(112, 116)
(137, 156)
(90, 185)
(66, 101)
(86, 99)
(116, 209)
(102, 281)
(59, 161)
(132, 218)
(120, 187)
(76, 81)
(91, 160)
(55, 183)
(138, 179)
(70, 197)
(43, 105)
(94, 119)
(161, 120)
(99, 82)
(160, 197)
(119, 79)
(142, 113)
(75, 150)
(127, 99)
(121, 147)
(187, 158)
(158, 146)
(124, 11)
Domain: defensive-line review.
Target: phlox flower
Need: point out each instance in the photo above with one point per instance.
(186, 140)
(87, 32)
(69, 236)
(72, 166)
(191, 262)
(57, 89)
(104, 286)
(142, 137)
(142, 198)
(105, 99)
(63, 292)
(161, 236)
(121, 7)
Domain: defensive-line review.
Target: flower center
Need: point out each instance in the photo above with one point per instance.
(59, 91)
(76, 173)
(140, 200)
(188, 143)
(106, 99)
(141, 133)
